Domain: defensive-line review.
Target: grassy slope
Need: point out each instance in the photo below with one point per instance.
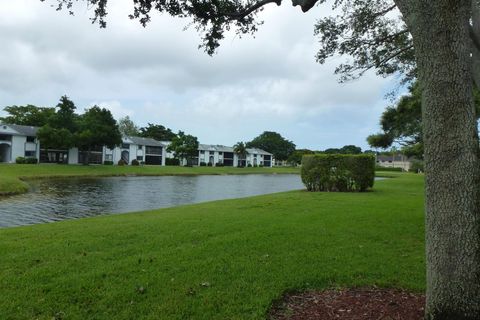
(10, 174)
(246, 252)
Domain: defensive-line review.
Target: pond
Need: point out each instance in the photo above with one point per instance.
(59, 199)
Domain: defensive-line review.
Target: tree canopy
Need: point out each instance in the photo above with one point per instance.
(157, 132)
(184, 146)
(28, 115)
(274, 143)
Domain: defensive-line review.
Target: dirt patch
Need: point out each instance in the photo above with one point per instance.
(350, 304)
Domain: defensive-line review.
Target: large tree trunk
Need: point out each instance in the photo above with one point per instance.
(442, 47)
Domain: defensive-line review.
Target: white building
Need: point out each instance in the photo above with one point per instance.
(396, 161)
(18, 141)
(217, 154)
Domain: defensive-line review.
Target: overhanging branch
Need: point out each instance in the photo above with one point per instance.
(242, 14)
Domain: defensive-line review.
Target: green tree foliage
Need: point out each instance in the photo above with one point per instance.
(65, 116)
(402, 124)
(274, 143)
(157, 132)
(28, 115)
(184, 146)
(240, 149)
(127, 127)
(348, 149)
(55, 138)
(97, 127)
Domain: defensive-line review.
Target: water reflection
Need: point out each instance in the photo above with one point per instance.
(59, 199)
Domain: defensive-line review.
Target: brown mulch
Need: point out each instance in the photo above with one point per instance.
(350, 304)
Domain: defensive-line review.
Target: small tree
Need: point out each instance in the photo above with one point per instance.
(184, 146)
(241, 151)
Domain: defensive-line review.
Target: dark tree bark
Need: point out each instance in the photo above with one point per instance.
(440, 31)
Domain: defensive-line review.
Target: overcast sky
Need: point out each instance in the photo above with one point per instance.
(158, 75)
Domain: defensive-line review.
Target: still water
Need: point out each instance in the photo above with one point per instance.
(59, 199)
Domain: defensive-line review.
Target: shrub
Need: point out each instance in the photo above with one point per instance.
(20, 160)
(417, 166)
(203, 164)
(142, 163)
(219, 164)
(260, 165)
(379, 168)
(107, 163)
(338, 172)
(210, 164)
(31, 160)
(249, 165)
(172, 162)
(121, 162)
(135, 162)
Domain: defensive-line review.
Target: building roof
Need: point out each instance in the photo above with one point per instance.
(22, 130)
(217, 147)
(143, 141)
(258, 151)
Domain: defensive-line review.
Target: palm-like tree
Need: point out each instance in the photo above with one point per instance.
(241, 150)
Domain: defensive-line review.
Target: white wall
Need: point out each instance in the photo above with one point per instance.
(73, 156)
(18, 147)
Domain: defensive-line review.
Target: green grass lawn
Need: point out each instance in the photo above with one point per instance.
(11, 175)
(219, 260)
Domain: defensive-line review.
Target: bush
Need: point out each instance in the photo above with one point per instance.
(379, 168)
(219, 164)
(260, 165)
(338, 172)
(135, 162)
(203, 164)
(172, 162)
(108, 163)
(31, 160)
(417, 166)
(249, 165)
(210, 164)
(20, 160)
(121, 162)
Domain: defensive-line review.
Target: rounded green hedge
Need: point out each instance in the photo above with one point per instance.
(338, 172)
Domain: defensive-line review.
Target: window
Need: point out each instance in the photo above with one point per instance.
(212, 153)
(125, 146)
(140, 158)
(108, 157)
(202, 152)
(30, 139)
(30, 154)
(153, 150)
(220, 153)
(254, 155)
(140, 147)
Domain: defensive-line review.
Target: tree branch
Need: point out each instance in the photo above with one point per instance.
(386, 59)
(242, 14)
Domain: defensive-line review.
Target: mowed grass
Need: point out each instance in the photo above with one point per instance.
(11, 175)
(219, 260)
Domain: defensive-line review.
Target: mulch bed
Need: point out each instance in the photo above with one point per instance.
(350, 304)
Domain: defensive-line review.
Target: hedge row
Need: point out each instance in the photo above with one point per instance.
(26, 160)
(338, 172)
